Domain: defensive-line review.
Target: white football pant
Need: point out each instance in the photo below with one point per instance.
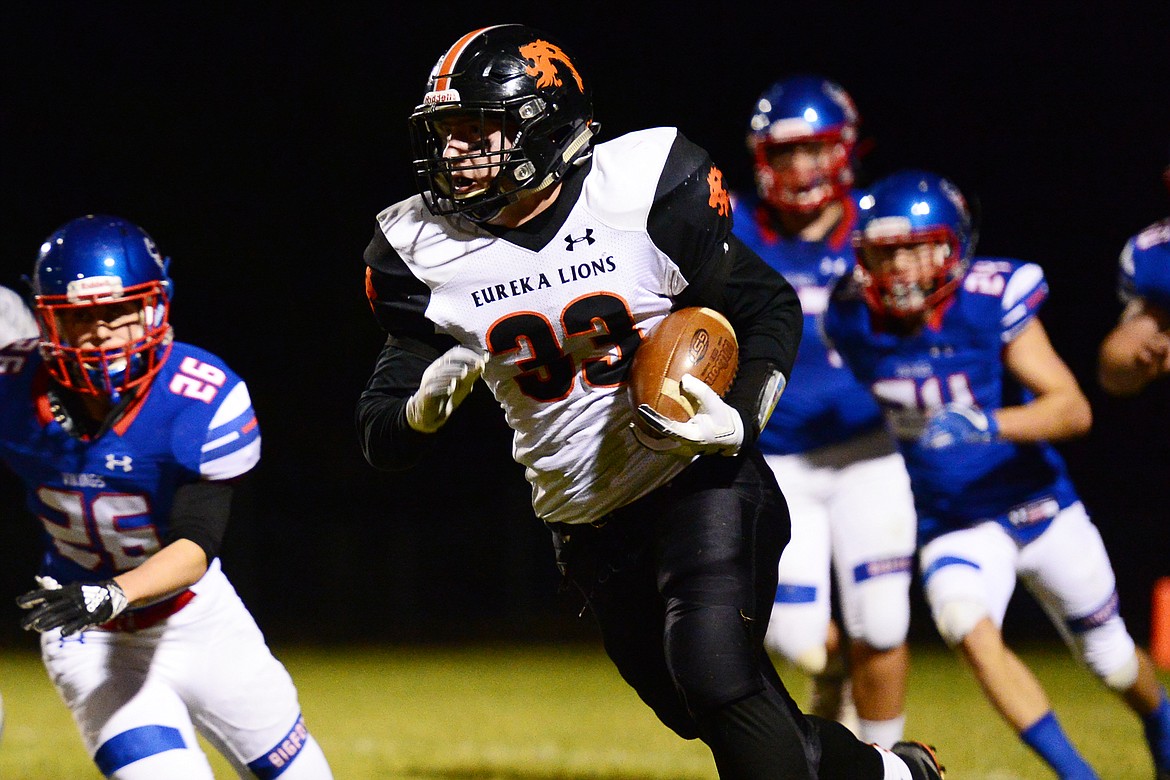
(971, 573)
(852, 515)
(139, 697)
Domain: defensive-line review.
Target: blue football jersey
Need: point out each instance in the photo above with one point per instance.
(823, 404)
(1145, 266)
(105, 503)
(956, 358)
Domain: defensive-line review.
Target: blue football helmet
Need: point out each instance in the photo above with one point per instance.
(803, 110)
(99, 261)
(905, 209)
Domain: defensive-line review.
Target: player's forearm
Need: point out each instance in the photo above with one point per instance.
(1051, 417)
(387, 440)
(173, 568)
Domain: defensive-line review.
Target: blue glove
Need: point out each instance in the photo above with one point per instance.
(956, 424)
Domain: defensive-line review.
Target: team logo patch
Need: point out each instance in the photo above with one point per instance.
(719, 200)
(587, 238)
(544, 56)
(126, 463)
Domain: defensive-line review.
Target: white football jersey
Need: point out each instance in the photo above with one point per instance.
(559, 324)
(16, 321)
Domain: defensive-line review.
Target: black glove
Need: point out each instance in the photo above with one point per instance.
(73, 608)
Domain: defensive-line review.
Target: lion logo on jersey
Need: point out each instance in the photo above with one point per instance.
(719, 200)
(542, 55)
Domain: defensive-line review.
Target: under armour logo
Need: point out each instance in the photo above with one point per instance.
(587, 238)
(125, 463)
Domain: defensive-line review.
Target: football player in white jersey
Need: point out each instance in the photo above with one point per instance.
(16, 321)
(538, 261)
(1137, 350)
(128, 444)
(846, 485)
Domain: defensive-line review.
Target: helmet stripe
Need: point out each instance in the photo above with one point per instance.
(449, 59)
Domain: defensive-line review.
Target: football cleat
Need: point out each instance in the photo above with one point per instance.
(921, 760)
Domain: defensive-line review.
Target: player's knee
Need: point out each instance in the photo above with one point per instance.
(955, 619)
(885, 620)
(798, 637)
(309, 763)
(703, 635)
(295, 752)
(1123, 677)
(794, 648)
(813, 660)
(886, 636)
(1110, 652)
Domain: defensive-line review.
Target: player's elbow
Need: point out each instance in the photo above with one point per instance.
(1078, 416)
(387, 442)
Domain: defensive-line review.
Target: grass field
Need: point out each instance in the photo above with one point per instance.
(561, 713)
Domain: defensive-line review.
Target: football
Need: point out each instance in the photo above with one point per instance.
(697, 341)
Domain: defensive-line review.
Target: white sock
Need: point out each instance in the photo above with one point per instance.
(882, 732)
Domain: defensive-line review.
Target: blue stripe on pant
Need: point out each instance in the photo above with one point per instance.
(136, 744)
(281, 756)
(795, 594)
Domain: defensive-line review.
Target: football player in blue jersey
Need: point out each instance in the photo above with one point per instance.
(128, 444)
(846, 485)
(1137, 350)
(952, 349)
(537, 260)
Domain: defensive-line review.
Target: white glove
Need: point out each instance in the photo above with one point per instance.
(444, 385)
(715, 428)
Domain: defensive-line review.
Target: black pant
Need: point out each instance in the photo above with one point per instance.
(682, 583)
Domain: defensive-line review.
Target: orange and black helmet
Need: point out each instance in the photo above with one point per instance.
(519, 80)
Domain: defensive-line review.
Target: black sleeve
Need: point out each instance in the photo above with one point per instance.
(691, 222)
(397, 297)
(399, 301)
(200, 514)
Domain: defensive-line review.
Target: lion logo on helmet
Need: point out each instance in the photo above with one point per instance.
(544, 56)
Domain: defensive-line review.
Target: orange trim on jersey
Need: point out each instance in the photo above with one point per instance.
(449, 59)
(371, 291)
(248, 426)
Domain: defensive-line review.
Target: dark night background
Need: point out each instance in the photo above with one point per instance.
(256, 144)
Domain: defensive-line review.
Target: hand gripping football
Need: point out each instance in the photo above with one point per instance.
(696, 341)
